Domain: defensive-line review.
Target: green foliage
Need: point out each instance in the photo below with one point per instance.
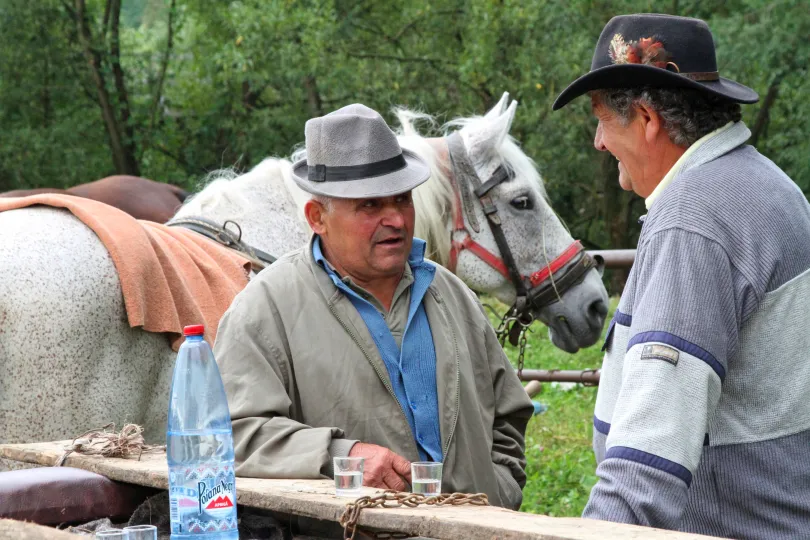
(244, 76)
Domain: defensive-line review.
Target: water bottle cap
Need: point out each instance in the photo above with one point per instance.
(194, 330)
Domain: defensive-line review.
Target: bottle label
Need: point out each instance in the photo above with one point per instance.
(202, 499)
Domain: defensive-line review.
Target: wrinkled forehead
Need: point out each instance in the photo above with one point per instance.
(348, 205)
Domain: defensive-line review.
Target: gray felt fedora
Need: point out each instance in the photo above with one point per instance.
(353, 154)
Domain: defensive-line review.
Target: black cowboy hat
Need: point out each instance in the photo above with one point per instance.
(659, 51)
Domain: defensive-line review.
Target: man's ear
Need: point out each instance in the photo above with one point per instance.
(652, 123)
(315, 212)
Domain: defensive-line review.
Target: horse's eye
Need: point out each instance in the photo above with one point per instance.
(522, 203)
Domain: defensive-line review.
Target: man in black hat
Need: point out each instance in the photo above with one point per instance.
(702, 420)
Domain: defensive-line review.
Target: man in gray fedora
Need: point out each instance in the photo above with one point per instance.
(355, 345)
(702, 419)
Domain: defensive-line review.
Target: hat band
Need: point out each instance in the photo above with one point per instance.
(702, 76)
(324, 173)
(695, 75)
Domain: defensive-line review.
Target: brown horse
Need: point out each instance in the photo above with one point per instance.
(138, 197)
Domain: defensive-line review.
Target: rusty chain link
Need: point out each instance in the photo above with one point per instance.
(507, 326)
(395, 499)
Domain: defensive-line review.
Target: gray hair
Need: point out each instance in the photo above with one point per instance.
(688, 114)
(324, 200)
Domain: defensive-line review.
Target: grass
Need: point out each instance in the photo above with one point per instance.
(561, 466)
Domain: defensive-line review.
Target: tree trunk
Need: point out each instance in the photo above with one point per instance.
(107, 110)
(164, 65)
(764, 112)
(45, 95)
(131, 162)
(313, 96)
(616, 214)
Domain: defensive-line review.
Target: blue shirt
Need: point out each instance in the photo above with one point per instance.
(411, 367)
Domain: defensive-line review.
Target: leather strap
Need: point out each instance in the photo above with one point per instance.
(462, 168)
(571, 274)
(543, 286)
(499, 176)
(458, 154)
(259, 259)
(702, 75)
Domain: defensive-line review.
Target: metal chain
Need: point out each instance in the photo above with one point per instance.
(505, 328)
(522, 348)
(395, 499)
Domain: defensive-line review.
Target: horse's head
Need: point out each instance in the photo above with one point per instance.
(487, 168)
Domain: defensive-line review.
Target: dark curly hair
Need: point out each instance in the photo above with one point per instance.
(688, 114)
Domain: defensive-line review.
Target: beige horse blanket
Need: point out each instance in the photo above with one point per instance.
(170, 276)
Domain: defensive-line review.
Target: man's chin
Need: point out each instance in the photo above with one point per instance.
(390, 265)
(624, 179)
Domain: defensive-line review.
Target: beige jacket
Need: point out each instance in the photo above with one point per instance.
(305, 381)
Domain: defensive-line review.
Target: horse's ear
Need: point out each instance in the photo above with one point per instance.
(499, 108)
(498, 128)
(507, 118)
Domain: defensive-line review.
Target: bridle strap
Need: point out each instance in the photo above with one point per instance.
(498, 177)
(460, 159)
(220, 234)
(543, 286)
(462, 168)
(557, 264)
(572, 272)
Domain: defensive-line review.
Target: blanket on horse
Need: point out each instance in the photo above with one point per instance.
(170, 276)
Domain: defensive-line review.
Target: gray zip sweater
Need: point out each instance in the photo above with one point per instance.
(702, 419)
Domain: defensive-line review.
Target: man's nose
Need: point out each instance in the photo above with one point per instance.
(393, 217)
(597, 140)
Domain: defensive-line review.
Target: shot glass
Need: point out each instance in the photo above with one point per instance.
(141, 532)
(426, 478)
(112, 534)
(348, 476)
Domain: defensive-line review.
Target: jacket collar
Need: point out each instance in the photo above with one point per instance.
(317, 263)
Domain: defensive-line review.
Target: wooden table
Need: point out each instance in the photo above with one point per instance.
(316, 499)
(18, 530)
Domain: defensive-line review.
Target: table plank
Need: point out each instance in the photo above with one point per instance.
(20, 530)
(316, 499)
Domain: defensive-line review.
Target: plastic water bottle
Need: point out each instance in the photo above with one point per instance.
(202, 487)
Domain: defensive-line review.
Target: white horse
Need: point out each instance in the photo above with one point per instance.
(69, 361)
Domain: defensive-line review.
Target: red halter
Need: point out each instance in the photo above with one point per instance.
(496, 262)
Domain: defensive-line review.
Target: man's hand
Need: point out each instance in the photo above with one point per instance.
(383, 468)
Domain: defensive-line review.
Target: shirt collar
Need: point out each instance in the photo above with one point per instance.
(416, 258)
(673, 172)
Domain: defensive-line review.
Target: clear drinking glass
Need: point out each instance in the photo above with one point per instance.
(348, 476)
(426, 478)
(141, 532)
(112, 534)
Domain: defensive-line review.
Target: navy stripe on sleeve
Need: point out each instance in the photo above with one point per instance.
(651, 460)
(682, 345)
(600, 426)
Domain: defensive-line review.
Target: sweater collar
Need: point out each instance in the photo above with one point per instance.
(709, 147)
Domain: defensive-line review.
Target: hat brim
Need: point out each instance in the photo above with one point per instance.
(415, 173)
(636, 75)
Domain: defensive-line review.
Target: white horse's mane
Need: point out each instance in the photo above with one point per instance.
(225, 190)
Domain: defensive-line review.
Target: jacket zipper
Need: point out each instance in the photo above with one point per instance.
(380, 375)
